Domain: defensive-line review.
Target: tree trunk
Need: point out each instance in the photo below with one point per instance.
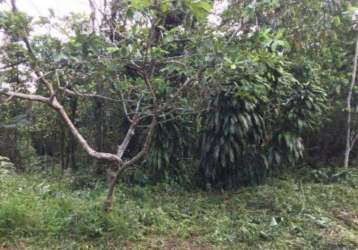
(62, 146)
(73, 142)
(99, 130)
(112, 178)
(349, 141)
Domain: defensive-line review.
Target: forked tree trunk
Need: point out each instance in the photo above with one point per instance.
(112, 181)
(349, 140)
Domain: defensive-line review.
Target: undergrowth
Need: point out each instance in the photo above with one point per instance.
(302, 210)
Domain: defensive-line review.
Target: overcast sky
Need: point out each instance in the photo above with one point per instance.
(61, 7)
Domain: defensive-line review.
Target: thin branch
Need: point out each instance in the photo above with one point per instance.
(30, 97)
(353, 141)
(73, 92)
(33, 56)
(93, 15)
(125, 108)
(127, 139)
(181, 88)
(77, 93)
(130, 132)
(12, 65)
(54, 104)
(146, 145)
(151, 90)
(98, 155)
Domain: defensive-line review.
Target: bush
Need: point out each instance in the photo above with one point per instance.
(255, 120)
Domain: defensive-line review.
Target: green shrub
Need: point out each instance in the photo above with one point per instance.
(172, 151)
(255, 120)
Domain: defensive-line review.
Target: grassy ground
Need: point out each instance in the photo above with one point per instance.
(297, 211)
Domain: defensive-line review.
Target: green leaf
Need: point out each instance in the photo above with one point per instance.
(200, 9)
(141, 4)
(112, 49)
(164, 5)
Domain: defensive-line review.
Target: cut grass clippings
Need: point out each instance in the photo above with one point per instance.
(296, 211)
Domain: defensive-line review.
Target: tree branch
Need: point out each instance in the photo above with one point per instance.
(146, 145)
(54, 104)
(130, 133)
(80, 94)
(30, 97)
(12, 65)
(33, 56)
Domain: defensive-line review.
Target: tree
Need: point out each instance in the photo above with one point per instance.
(350, 137)
(143, 92)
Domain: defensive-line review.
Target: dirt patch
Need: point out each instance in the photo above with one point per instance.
(349, 218)
(338, 235)
(19, 246)
(170, 244)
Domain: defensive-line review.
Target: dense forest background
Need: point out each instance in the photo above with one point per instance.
(267, 86)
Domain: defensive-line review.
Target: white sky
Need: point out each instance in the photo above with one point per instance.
(61, 7)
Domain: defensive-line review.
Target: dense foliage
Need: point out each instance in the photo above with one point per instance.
(256, 89)
(256, 118)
